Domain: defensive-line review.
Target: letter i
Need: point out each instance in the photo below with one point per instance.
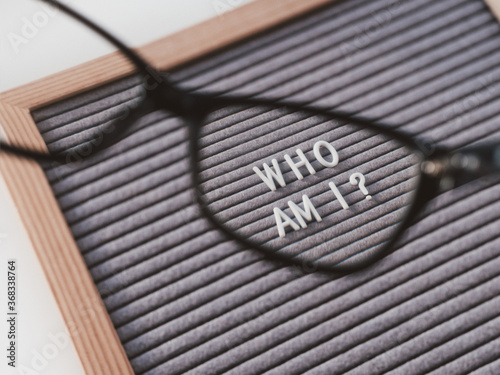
(339, 196)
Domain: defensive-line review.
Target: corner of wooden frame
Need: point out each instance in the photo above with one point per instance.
(96, 341)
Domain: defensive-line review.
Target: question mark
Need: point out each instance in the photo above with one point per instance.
(354, 181)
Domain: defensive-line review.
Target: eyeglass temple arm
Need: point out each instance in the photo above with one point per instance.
(459, 167)
(171, 97)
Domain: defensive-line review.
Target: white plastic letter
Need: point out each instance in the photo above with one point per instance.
(339, 196)
(282, 221)
(321, 159)
(271, 175)
(303, 162)
(308, 212)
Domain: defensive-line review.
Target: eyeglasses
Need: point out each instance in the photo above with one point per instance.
(312, 187)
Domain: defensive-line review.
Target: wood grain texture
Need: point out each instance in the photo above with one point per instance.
(85, 316)
(164, 53)
(494, 6)
(93, 334)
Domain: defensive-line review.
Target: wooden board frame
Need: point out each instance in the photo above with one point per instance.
(83, 311)
(494, 6)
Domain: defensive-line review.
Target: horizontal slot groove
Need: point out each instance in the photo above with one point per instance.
(405, 299)
(388, 289)
(413, 87)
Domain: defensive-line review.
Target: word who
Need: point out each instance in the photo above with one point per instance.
(272, 175)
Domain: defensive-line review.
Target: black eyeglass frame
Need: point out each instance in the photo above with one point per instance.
(438, 165)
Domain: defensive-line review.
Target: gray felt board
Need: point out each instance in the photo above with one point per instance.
(183, 299)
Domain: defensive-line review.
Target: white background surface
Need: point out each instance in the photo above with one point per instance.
(37, 40)
(39, 320)
(54, 45)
